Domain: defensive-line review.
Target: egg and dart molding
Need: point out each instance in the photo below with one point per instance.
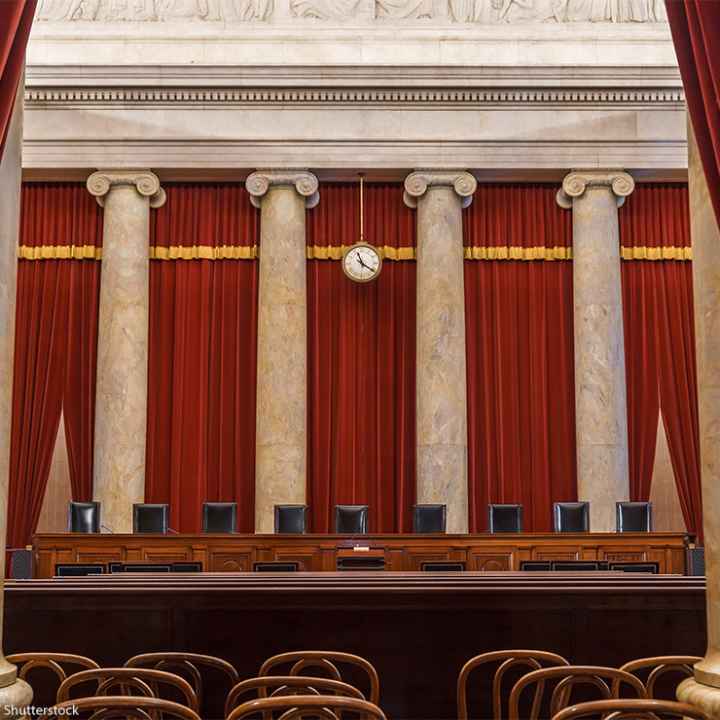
(361, 262)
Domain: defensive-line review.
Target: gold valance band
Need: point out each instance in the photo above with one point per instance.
(656, 253)
(203, 252)
(59, 252)
(503, 252)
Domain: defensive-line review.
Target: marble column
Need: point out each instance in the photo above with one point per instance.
(704, 689)
(121, 395)
(600, 392)
(282, 197)
(13, 692)
(441, 383)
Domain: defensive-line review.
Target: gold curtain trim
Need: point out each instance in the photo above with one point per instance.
(203, 252)
(503, 252)
(59, 252)
(335, 252)
(656, 253)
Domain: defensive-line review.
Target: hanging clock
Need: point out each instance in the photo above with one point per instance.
(361, 262)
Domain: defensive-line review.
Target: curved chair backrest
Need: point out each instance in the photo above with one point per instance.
(659, 666)
(631, 710)
(567, 678)
(327, 661)
(530, 659)
(283, 685)
(324, 707)
(121, 680)
(185, 664)
(55, 662)
(117, 707)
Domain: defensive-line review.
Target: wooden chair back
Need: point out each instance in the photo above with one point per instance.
(508, 659)
(284, 685)
(656, 667)
(625, 709)
(568, 677)
(115, 707)
(123, 681)
(305, 707)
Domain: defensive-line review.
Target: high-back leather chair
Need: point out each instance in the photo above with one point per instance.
(84, 517)
(291, 519)
(505, 518)
(633, 516)
(219, 517)
(150, 517)
(351, 519)
(429, 518)
(572, 517)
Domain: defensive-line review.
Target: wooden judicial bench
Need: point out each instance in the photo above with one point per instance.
(321, 553)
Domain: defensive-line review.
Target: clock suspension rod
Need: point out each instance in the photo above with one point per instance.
(362, 214)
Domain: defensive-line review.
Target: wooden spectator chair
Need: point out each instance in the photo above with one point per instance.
(115, 707)
(528, 659)
(326, 661)
(129, 681)
(284, 685)
(323, 707)
(568, 677)
(631, 710)
(658, 667)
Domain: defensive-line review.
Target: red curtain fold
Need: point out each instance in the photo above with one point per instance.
(16, 18)
(361, 364)
(202, 356)
(695, 26)
(520, 363)
(660, 345)
(55, 349)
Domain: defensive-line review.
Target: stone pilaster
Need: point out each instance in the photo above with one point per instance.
(13, 692)
(121, 395)
(280, 463)
(441, 393)
(600, 391)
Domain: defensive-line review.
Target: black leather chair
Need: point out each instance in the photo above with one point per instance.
(695, 561)
(219, 517)
(634, 516)
(351, 519)
(635, 567)
(21, 564)
(84, 517)
(429, 518)
(145, 568)
(77, 570)
(536, 565)
(579, 565)
(183, 567)
(291, 519)
(150, 518)
(276, 566)
(442, 566)
(505, 518)
(571, 517)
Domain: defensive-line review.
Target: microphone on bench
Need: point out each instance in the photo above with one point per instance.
(106, 528)
(174, 532)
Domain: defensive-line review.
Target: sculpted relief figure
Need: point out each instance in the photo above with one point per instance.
(325, 9)
(154, 10)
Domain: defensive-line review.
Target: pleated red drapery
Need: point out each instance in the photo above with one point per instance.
(520, 364)
(203, 352)
(660, 341)
(361, 362)
(55, 346)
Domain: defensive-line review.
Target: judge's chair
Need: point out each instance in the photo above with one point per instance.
(429, 518)
(84, 517)
(219, 517)
(351, 519)
(150, 518)
(291, 519)
(505, 518)
(571, 517)
(633, 516)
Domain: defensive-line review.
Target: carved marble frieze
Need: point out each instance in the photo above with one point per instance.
(489, 12)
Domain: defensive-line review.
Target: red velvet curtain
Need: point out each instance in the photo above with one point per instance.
(695, 26)
(16, 18)
(203, 353)
(660, 341)
(520, 364)
(55, 346)
(361, 363)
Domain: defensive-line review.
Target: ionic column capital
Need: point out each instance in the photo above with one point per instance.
(147, 184)
(304, 182)
(417, 183)
(620, 183)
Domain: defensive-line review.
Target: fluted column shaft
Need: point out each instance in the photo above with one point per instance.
(441, 389)
(600, 390)
(280, 463)
(122, 364)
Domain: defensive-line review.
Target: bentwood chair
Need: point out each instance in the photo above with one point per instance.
(84, 517)
(429, 518)
(329, 662)
(291, 519)
(118, 707)
(282, 685)
(654, 668)
(565, 679)
(150, 518)
(505, 518)
(351, 519)
(219, 517)
(322, 707)
(632, 710)
(506, 660)
(633, 516)
(572, 517)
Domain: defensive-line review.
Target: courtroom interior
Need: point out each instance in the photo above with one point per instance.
(360, 359)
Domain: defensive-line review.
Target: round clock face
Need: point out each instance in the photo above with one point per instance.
(361, 262)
